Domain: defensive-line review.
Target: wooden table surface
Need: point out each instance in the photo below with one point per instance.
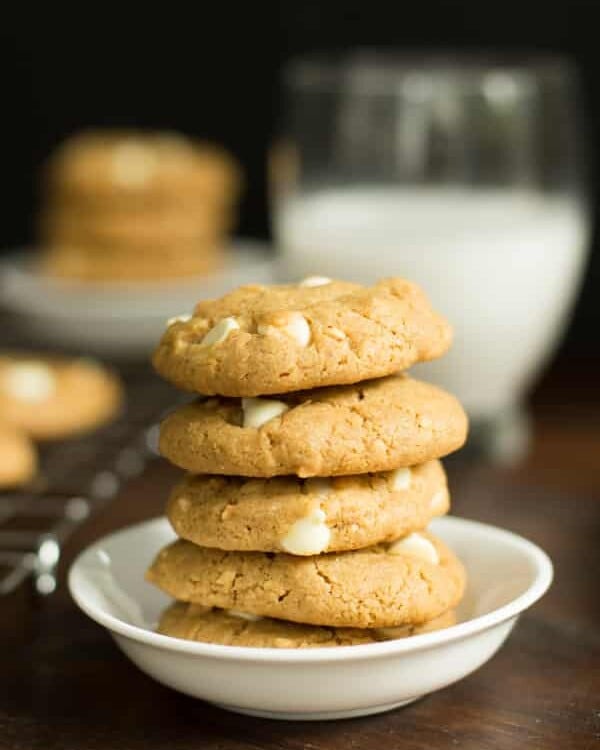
(64, 684)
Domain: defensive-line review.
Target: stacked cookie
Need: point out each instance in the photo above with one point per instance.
(129, 205)
(313, 468)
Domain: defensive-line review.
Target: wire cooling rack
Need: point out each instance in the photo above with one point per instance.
(77, 478)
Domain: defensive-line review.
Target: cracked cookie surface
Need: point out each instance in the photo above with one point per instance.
(375, 426)
(368, 588)
(205, 624)
(278, 515)
(293, 337)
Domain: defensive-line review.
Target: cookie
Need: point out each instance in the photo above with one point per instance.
(18, 461)
(103, 230)
(50, 398)
(230, 628)
(261, 340)
(152, 169)
(86, 264)
(378, 425)
(307, 517)
(128, 206)
(409, 581)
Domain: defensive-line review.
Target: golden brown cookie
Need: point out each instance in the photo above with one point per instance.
(128, 206)
(151, 169)
(378, 425)
(410, 581)
(153, 264)
(18, 461)
(261, 340)
(50, 397)
(307, 517)
(230, 628)
(137, 229)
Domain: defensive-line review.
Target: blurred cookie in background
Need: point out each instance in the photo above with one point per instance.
(51, 397)
(133, 205)
(18, 459)
(147, 168)
(116, 264)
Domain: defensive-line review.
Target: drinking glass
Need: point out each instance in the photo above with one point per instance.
(462, 174)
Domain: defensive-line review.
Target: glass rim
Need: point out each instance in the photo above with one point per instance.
(380, 71)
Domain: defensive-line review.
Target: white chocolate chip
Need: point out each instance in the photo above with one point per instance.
(29, 381)
(318, 485)
(308, 536)
(415, 545)
(132, 164)
(294, 324)
(400, 478)
(178, 319)
(299, 329)
(184, 503)
(219, 332)
(315, 281)
(258, 411)
(336, 333)
(243, 615)
(438, 501)
(425, 422)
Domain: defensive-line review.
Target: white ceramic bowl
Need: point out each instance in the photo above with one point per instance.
(507, 574)
(118, 319)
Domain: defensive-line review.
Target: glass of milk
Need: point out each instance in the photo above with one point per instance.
(464, 175)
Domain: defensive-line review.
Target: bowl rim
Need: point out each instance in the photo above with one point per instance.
(542, 579)
(17, 274)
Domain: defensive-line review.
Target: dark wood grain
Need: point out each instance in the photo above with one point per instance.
(64, 684)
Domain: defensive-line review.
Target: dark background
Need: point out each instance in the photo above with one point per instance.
(212, 70)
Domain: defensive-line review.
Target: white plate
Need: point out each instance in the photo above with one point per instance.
(118, 318)
(507, 574)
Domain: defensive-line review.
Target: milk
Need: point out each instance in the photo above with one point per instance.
(502, 265)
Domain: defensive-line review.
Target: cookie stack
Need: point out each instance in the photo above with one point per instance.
(313, 468)
(130, 205)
